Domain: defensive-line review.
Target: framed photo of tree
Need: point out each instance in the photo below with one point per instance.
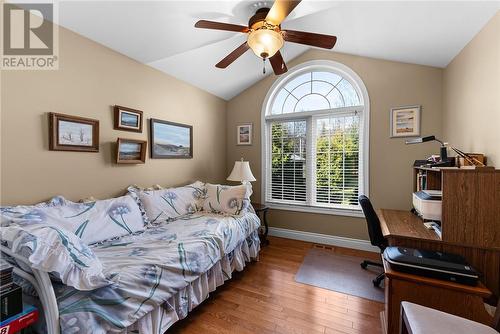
(72, 133)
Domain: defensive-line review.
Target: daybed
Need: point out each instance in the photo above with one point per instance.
(140, 282)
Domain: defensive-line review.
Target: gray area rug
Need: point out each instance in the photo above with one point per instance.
(340, 273)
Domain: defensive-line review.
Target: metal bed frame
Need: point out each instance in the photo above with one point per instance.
(43, 286)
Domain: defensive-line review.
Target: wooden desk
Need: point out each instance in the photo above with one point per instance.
(402, 228)
(397, 224)
(458, 299)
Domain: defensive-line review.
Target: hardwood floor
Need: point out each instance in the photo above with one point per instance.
(265, 298)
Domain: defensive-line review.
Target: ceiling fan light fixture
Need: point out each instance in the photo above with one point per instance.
(265, 42)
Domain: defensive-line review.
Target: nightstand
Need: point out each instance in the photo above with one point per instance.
(261, 211)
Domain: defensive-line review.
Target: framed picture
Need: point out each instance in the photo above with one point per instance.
(72, 133)
(128, 119)
(405, 121)
(131, 151)
(171, 140)
(244, 134)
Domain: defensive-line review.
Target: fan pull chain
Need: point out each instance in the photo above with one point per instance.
(263, 65)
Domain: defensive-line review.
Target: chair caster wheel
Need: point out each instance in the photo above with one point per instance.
(376, 283)
(364, 265)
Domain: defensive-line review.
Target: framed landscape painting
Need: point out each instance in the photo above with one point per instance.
(131, 151)
(171, 140)
(128, 119)
(405, 121)
(244, 134)
(72, 133)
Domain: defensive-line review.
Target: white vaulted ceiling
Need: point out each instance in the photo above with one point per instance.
(161, 34)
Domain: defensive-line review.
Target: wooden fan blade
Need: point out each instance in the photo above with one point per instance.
(233, 56)
(280, 10)
(309, 38)
(220, 26)
(278, 64)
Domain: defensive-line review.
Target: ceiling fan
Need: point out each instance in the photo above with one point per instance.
(265, 36)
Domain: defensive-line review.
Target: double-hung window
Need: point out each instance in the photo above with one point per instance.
(315, 141)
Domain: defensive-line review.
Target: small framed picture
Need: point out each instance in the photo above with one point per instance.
(128, 119)
(405, 121)
(171, 140)
(244, 134)
(131, 151)
(72, 133)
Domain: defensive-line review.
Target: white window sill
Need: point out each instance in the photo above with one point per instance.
(317, 209)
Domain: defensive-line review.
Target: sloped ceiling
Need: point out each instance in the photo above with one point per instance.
(161, 34)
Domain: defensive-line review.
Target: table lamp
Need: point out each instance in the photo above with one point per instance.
(241, 172)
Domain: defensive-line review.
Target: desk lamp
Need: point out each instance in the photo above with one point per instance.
(442, 151)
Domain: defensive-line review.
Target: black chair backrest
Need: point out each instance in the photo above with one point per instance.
(374, 229)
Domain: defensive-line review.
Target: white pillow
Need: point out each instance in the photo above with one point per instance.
(12, 214)
(233, 200)
(169, 204)
(92, 221)
(56, 251)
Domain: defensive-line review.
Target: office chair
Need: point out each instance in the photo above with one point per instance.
(376, 236)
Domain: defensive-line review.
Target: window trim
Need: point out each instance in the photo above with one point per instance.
(315, 209)
(314, 65)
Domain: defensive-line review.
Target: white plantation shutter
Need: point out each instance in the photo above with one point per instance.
(288, 162)
(314, 143)
(336, 146)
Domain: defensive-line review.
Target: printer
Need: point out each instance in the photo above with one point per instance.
(445, 266)
(427, 204)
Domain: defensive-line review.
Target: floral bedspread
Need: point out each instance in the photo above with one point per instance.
(150, 267)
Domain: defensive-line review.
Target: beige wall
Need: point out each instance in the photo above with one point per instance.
(389, 84)
(90, 80)
(471, 86)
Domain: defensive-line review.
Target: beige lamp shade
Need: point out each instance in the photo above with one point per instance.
(241, 172)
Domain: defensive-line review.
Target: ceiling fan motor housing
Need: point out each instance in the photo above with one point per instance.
(258, 18)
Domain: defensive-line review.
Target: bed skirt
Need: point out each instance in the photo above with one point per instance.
(179, 305)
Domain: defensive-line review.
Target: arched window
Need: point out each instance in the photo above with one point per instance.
(315, 140)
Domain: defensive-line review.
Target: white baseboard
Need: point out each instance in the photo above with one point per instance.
(324, 239)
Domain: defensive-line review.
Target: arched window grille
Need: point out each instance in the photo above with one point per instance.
(315, 90)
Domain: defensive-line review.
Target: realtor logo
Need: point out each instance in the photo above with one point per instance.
(28, 37)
